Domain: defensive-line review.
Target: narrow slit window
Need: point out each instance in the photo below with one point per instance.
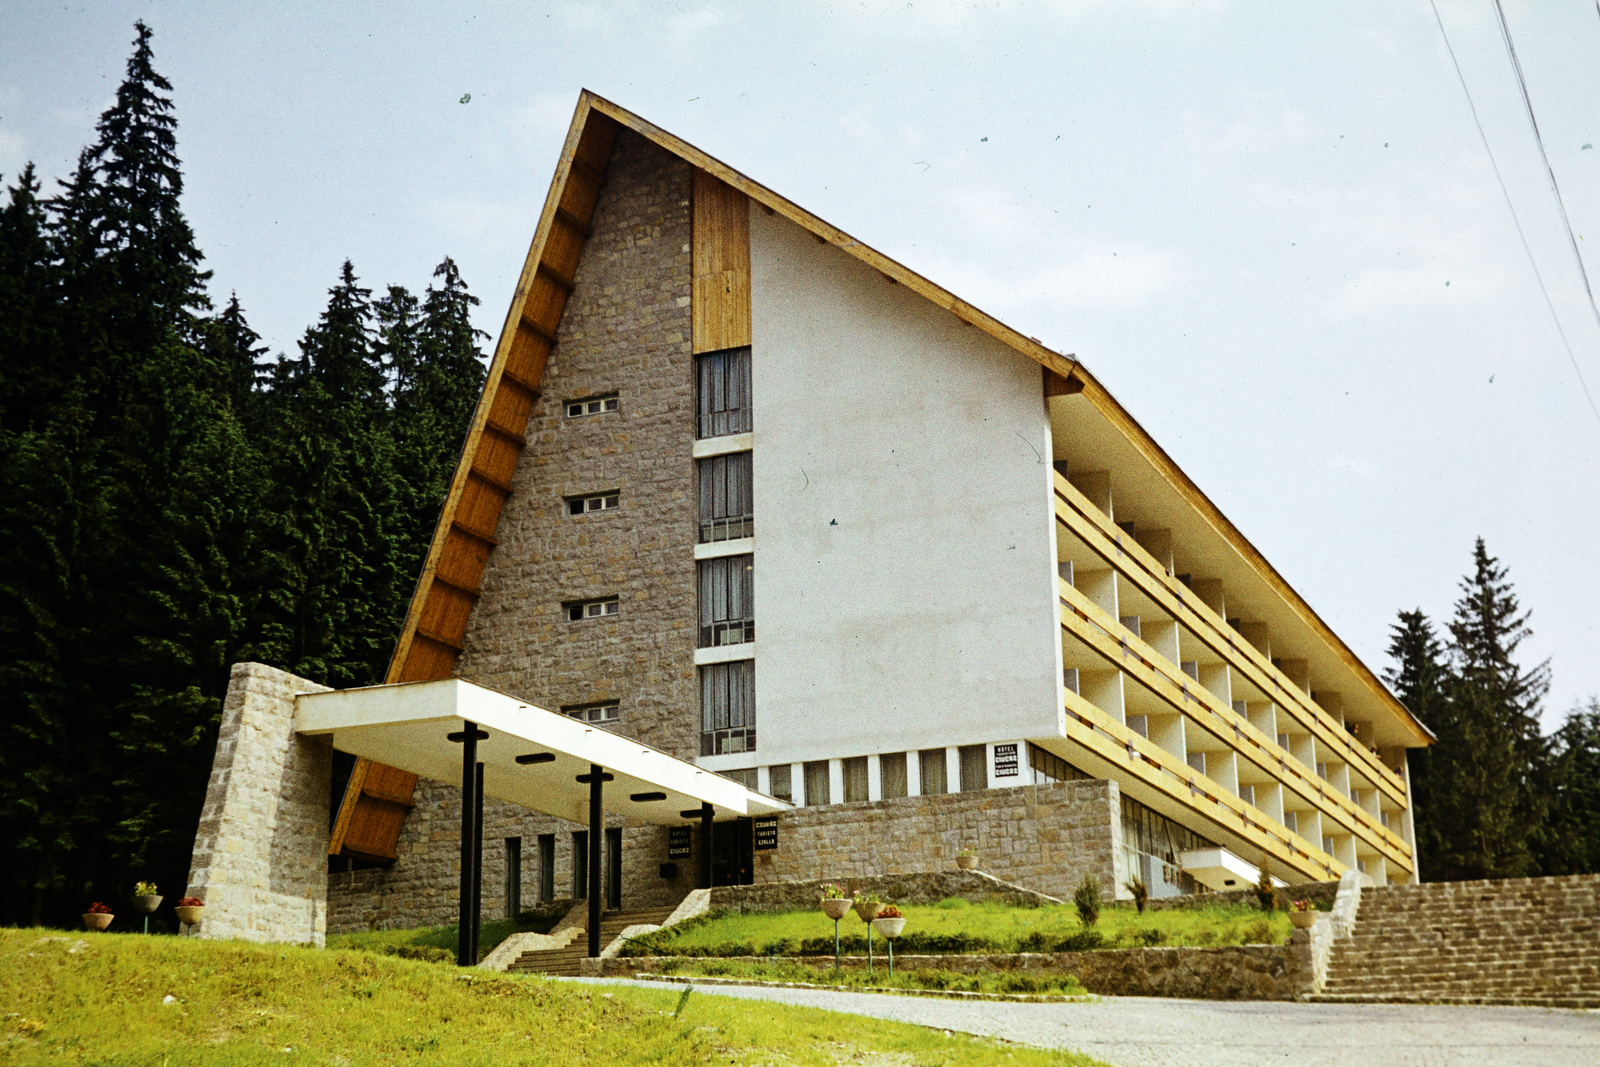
(724, 393)
(931, 772)
(818, 789)
(728, 708)
(726, 498)
(974, 767)
(727, 601)
(782, 781)
(592, 609)
(583, 505)
(855, 779)
(593, 405)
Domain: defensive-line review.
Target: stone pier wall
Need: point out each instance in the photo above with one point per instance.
(260, 853)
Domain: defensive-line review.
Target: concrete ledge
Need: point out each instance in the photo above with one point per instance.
(948, 994)
(920, 887)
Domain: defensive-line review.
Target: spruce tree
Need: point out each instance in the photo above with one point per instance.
(1573, 844)
(1419, 678)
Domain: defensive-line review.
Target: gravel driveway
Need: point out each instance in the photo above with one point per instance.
(1157, 1032)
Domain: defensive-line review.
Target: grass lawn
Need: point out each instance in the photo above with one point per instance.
(956, 925)
(443, 938)
(124, 999)
(783, 971)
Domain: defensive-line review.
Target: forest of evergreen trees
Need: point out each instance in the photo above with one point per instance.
(173, 500)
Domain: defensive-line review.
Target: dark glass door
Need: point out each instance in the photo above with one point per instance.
(733, 853)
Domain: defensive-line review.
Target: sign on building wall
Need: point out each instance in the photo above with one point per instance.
(1005, 760)
(679, 842)
(766, 833)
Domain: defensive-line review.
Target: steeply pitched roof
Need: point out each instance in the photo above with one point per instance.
(430, 640)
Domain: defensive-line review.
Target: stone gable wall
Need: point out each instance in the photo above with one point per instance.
(626, 329)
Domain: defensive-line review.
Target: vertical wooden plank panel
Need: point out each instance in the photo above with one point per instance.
(720, 310)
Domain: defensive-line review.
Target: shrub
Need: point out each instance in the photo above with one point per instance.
(1087, 900)
(426, 953)
(1259, 932)
(1266, 895)
(1141, 892)
(1149, 938)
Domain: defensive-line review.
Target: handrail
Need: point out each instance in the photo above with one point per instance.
(1152, 578)
(1095, 730)
(1136, 657)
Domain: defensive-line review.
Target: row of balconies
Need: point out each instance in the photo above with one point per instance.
(1157, 653)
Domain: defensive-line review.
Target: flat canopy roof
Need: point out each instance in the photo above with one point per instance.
(406, 726)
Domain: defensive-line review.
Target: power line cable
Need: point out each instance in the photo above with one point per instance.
(1515, 220)
(1555, 187)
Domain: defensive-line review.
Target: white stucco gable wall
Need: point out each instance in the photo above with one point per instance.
(905, 542)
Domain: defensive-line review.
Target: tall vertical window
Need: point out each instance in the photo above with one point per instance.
(892, 772)
(931, 770)
(855, 779)
(974, 769)
(547, 866)
(818, 791)
(724, 401)
(726, 509)
(782, 777)
(727, 601)
(580, 864)
(728, 707)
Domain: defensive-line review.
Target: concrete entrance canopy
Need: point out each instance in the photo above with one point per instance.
(406, 726)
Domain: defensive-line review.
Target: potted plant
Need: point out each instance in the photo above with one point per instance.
(145, 899)
(190, 910)
(98, 917)
(889, 922)
(1302, 914)
(834, 903)
(967, 859)
(868, 906)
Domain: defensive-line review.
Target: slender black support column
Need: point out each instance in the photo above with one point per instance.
(597, 833)
(466, 943)
(706, 831)
(477, 862)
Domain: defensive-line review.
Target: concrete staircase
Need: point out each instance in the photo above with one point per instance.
(564, 961)
(1521, 941)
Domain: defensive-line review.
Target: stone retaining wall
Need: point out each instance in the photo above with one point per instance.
(1238, 972)
(1045, 837)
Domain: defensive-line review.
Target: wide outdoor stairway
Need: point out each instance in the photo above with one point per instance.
(564, 961)
(1530, 941)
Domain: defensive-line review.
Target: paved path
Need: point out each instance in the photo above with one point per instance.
(1157, 1032)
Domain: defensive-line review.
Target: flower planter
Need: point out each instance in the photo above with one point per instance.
(967, 863)
(868, 909)
(147, 904)
(1302, 920)
(97, 920)
(836, 909)
(190, 915)
(889, 928)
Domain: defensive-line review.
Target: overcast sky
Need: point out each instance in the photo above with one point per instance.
(1271, 230)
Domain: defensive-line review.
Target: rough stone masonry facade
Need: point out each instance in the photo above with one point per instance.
(626, 330)
(261, 850)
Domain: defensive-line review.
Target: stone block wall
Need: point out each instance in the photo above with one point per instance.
(260, 853)
(626, 329)
(1043, 837)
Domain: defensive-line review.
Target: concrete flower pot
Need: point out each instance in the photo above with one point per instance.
(191, 914)
(1302, 920)
(147, 904)
(97, 920)
(889, 928)
(967, 863)
(868, 910)
(837, 909)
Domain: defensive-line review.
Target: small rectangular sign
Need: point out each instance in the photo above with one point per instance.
(1005, 760)
(766, 833)
(679, 842)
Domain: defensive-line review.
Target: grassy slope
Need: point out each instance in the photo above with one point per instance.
(1222, 925)
(101, 999)
(491, 933)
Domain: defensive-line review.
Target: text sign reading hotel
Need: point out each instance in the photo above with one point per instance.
(1005, 761)
(766, 833)
(678, 842)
